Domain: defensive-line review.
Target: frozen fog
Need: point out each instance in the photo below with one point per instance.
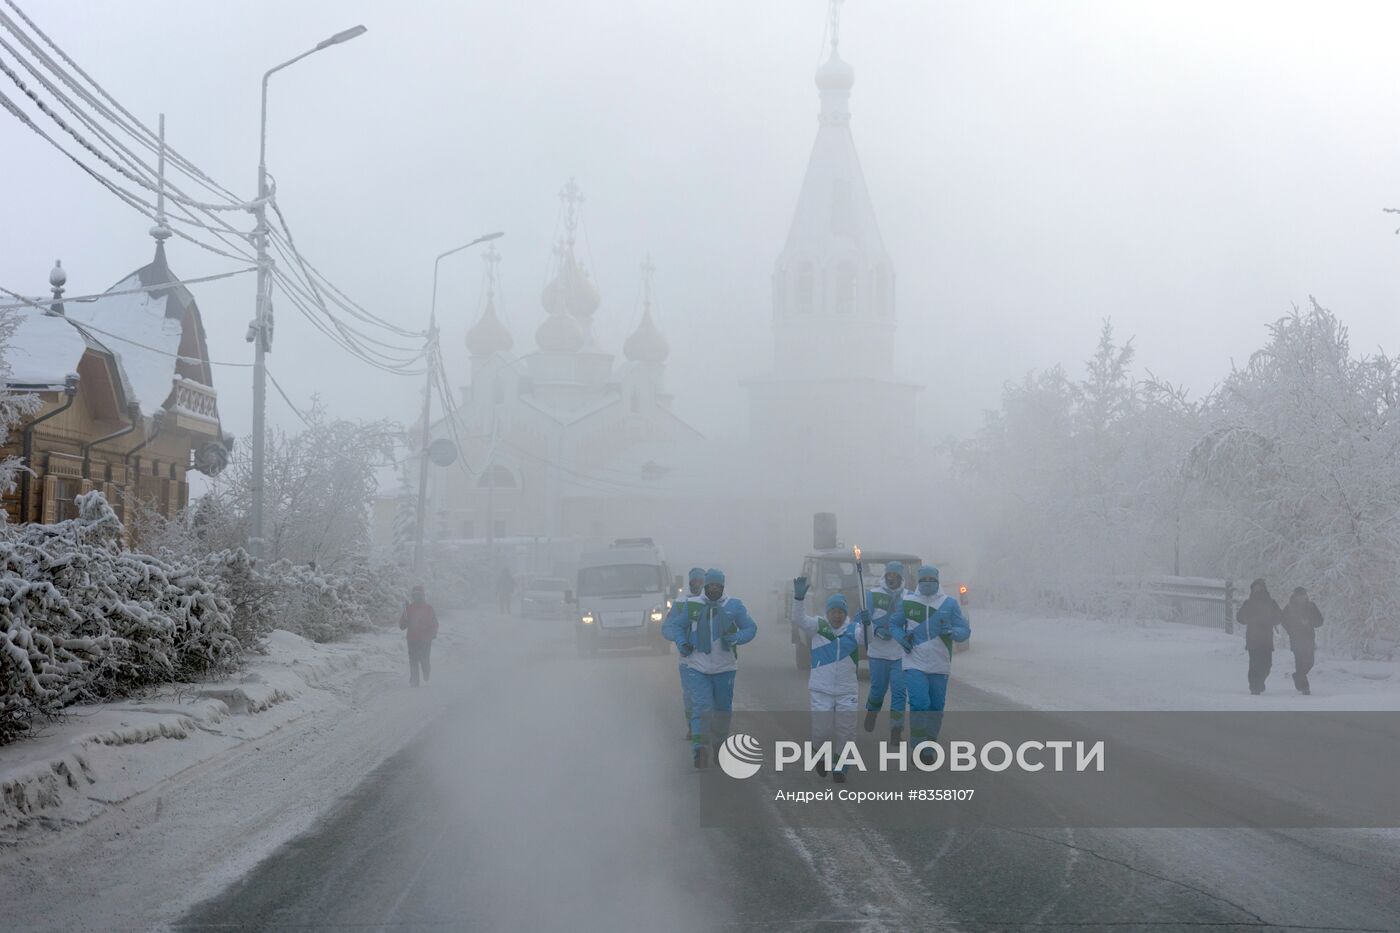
(453, 452)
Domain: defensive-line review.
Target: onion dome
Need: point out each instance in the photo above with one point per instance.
(647, 344)
(488, 335)
(835, 74)
(552, 297)
(560, 333)
(579, 293)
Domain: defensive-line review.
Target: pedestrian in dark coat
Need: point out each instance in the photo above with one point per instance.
(1259, 615)
(1301, 619)
(420, 624)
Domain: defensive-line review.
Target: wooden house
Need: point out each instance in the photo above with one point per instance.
(127, 396)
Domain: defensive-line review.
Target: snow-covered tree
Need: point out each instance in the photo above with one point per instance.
(318, 490)
(14, 408)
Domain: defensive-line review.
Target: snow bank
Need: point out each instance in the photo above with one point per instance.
(1083, 664)
(98, 755)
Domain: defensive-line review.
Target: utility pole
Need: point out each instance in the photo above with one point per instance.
(260, 330)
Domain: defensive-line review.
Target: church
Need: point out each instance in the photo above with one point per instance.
(564, 441)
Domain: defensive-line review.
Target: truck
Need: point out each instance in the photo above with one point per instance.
(831, 568)
(621, 597)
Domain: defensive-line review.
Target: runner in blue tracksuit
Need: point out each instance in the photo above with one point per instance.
(832, 686)
(932, 621)
(880, 624)
(695, 593)
(708, 636)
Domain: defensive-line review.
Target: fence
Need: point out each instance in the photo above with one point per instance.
(1190, 600)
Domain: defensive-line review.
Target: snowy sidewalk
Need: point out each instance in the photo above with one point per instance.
(201, 781)
(1067, 663)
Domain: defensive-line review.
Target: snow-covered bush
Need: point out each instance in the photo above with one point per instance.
(83, 619)
(14, 407)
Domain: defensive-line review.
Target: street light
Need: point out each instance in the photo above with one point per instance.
(260, 331)
(428, 398)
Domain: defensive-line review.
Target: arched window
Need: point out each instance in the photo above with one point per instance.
(845, 288)
(805, 288)
(496, 476)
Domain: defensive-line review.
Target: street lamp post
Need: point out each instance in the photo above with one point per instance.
(428, 400)
(260, 331)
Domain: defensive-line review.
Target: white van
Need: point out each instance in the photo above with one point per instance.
(622, 596)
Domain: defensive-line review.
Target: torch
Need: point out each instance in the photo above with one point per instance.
(865, 614)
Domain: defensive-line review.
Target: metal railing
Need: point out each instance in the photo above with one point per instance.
(1191, 600)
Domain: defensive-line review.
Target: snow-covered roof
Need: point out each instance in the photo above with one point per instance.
(143, 329)
(43, 350)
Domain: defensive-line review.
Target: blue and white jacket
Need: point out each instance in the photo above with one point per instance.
(885, 602)
(725, 617)
(834, 653)
(930, 626)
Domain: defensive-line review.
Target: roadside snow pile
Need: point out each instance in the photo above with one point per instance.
(1074, 663)
(83, 620)
(104, 753)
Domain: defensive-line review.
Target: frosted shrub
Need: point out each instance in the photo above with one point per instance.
(82, 619)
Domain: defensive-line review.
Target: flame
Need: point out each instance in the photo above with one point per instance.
(857, 550)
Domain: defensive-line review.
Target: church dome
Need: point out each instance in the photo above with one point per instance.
(560, 333)
(579, 293)
(835, 74)
(552, 297)
(488, 335)
(647, 344)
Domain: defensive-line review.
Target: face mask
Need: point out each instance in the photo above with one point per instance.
(894, 582)
(695, 587)
(714, 592)
(928, 587)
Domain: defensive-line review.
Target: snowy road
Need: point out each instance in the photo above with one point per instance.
(555, 795)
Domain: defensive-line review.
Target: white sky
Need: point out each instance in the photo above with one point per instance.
(1188, 169)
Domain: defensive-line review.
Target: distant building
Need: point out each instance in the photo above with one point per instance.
(563, 441)
(127, 393)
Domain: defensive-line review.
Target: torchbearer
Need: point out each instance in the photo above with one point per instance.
(686, 609)
(931, 621)
(832, 685)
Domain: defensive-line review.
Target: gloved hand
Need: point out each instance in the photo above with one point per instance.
(908, 642)
(945, 627)
(729, 640)
(882, 629)
(685, 648)
(800, 588)
(863, 617)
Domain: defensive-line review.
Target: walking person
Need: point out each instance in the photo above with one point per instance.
(420, 624)
(883, 652)
(1301, 620)
(832, 687)
(1259, 615)
(931, 621)
(505, 589)
(708, 639)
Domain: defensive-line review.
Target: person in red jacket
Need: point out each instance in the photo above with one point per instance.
(420, 622)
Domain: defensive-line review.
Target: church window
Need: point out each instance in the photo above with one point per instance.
(805, 288)
(845, 288)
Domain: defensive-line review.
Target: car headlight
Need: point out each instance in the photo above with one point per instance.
(587, 618)
(657, 614)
